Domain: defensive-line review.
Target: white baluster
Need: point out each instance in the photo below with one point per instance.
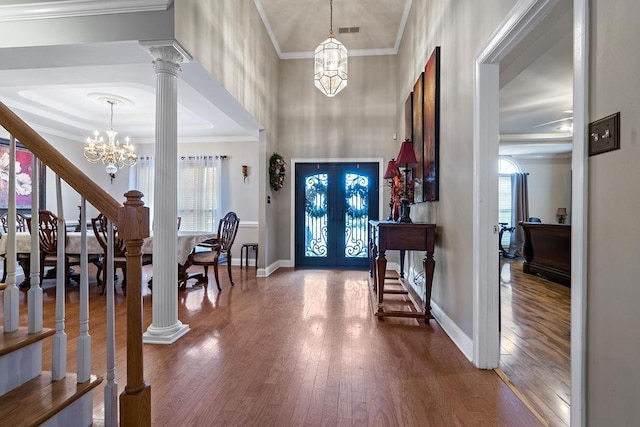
(111, 388)
(59, 369)
(84, 339)
(11, 292)
(35, 290)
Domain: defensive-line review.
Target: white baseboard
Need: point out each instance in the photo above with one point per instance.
(271, 268)
(286, 263)
(459, 338)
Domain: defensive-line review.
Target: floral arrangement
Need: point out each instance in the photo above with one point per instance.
(397, 189)
(276, 171)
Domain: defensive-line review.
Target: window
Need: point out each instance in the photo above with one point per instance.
(198, 195)
(199, 190)
(507, 166)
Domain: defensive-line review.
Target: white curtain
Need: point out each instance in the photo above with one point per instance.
(200, 199)
(142, 180)
(201, 195)
(519, 211)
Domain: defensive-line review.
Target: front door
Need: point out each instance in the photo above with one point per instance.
(334, 203)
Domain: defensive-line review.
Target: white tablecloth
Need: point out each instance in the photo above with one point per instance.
(187, 240)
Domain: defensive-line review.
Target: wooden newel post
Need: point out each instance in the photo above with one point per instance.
(133, 227)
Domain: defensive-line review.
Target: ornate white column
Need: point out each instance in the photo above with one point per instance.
(165, 327)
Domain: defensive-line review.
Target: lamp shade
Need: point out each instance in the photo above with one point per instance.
(562, 211)
(392, 170)
(407, 156)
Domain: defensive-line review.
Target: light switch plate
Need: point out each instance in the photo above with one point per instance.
(604, 134)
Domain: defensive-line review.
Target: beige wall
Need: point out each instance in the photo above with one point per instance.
(549, 186)
(613, 294)
(230, 41)
(359, 122)
(461, 28)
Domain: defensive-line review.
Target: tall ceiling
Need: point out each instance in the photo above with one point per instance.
(69, 100)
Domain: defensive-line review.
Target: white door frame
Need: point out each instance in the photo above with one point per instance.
(525, 15)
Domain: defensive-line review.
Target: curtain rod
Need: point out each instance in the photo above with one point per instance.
(196, 157)
(184, 157)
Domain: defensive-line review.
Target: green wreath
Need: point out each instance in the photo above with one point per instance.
(276, 171)
(316, 199)
(361, 191)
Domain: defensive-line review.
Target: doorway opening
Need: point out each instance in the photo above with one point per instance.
(524, 17)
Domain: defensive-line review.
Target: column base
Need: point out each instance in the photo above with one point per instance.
(167, 335)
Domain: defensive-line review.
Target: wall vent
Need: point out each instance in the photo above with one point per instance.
(348, 30)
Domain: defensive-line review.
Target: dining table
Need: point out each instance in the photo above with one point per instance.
(186, 242)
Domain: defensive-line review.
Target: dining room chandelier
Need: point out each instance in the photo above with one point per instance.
(330, 70)
(114, 155)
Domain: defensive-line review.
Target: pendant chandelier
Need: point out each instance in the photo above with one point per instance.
(330, 73)
(111, 153)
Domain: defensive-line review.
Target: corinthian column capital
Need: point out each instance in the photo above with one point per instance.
(167, 55)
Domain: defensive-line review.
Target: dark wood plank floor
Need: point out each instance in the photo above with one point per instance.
(299, 348)
(535, 340)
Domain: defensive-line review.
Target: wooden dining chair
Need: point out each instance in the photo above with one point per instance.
(48, 235)
(227, 230)
(100, 229)
(21, 226)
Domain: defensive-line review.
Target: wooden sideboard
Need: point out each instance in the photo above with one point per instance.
(389, 235)
(547, 251)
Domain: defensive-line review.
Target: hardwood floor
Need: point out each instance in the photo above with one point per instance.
(300, 347)
(535, 340)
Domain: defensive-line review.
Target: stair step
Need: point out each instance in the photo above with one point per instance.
(12, 341)
(36, 401)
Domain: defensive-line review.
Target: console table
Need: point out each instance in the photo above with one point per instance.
(389, 235)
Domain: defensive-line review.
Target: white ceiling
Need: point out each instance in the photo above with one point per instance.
(58, 89)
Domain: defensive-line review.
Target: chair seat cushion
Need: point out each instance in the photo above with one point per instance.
(204, 256)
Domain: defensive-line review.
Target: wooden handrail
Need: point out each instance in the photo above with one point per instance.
(64, 168)
(135, 401)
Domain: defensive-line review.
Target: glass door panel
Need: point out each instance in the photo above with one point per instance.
(334, 202)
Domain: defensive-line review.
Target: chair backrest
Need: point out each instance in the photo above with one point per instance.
(47, 231)
(21, 222)
(100, 229)
(227, 230)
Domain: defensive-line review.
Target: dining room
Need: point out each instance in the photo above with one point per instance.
(232, 184)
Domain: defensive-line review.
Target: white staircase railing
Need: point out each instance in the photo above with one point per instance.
(35, 292)
(132, 219)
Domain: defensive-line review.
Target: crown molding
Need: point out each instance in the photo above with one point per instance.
(351, 52)
(73, 8)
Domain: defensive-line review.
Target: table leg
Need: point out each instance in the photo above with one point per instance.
(429, 266)
(26, 269)
(374, 267)
(402, 252)
(182, 275)
(382, 268)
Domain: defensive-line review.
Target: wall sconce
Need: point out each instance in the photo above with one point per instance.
(245, 172)
(562, 215)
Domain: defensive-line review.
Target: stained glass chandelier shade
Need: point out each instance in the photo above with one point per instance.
(330, 69)
(114, 155)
